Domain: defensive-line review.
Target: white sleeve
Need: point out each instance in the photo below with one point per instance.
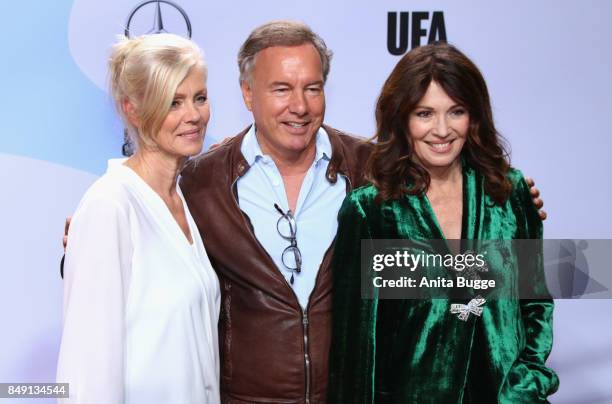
(96, 281)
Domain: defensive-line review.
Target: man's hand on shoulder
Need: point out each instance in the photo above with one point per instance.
(535, 197)
(66, 227)
(224, 141)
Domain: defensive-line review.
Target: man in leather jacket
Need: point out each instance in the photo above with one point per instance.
(266, 204)
(276, 311)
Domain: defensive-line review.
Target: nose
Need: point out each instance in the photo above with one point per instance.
(192, 113)
(298, 104)
(441, 128)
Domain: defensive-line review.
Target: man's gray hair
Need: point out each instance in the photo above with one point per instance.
(280, 33)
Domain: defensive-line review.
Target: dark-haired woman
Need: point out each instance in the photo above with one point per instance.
(439, 171)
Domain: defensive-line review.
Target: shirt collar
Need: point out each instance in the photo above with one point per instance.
(250, 146)
(324, 149)
(251, 150)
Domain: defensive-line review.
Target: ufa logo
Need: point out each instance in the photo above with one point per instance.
(413, 29)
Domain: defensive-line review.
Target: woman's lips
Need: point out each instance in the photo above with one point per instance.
(191, 134)
(440, 147)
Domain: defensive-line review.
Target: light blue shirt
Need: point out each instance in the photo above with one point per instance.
(316, 211)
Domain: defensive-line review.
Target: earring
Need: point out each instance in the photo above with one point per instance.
(128, 148)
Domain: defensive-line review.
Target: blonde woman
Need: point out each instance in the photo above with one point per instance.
(141, 300)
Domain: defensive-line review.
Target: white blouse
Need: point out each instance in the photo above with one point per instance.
(141, 304)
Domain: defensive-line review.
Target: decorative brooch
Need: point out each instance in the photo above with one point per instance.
(463, 310)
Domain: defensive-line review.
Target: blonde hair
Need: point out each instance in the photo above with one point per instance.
(146, 71)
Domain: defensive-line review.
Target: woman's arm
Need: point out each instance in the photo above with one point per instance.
(97, 273)
(529, 379)
(354, 319)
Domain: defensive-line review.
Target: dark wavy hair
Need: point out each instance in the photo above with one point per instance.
(391, 167)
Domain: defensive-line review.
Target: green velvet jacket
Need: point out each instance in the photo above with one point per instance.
(416, 351)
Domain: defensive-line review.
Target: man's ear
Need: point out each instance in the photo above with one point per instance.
(130, 112)
(247, 94)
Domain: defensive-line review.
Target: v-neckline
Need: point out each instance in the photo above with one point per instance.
(464, 210)
(158, 198)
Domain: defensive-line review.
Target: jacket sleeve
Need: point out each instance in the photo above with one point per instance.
(354, 319)
(529, 379)
(97, 273)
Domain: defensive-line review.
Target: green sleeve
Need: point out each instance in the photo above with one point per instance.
(354, 319)
(529, 380)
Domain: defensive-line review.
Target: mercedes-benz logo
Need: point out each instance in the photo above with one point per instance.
(158, 22)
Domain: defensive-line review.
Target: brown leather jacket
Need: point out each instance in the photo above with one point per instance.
(271, 350)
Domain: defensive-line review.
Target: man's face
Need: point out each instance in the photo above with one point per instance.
(285, 94)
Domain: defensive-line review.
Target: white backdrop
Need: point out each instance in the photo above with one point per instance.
(547, 64)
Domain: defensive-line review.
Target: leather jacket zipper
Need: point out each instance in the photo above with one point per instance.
(306, 355)
(304, 312)
(305, 322)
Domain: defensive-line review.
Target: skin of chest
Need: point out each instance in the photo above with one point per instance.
(293, 184)
(448, 209)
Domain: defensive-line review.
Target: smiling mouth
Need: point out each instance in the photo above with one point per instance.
(191, 133)
(296, 128)
(441, 147)
(296, 125)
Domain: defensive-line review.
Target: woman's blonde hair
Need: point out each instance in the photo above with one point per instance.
(146, 71)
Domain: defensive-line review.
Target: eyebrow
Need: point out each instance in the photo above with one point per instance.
(428, 107)
(284, 83)
(181, 95)
(316, 83)
(279, 83)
